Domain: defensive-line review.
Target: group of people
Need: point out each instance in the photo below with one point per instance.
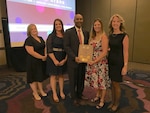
(60, 54)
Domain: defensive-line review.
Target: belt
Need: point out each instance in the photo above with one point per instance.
(58, 49)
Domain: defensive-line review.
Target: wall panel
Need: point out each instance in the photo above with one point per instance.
(101, 9)
(2, 57)
(2, 45)
(1, 36)
(84, 7)
(142, 34)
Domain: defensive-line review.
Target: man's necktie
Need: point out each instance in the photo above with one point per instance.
(79, 35)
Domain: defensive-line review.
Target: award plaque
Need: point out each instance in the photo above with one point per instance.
(85, 52)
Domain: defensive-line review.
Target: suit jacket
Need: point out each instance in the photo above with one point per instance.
(71, 44)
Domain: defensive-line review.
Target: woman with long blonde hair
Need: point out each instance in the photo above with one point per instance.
(117, 57)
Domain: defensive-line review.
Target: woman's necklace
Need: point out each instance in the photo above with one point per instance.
(59, 34)
(114, 35)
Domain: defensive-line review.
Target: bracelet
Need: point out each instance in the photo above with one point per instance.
(125, 64)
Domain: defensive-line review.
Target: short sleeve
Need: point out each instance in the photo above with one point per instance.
(28, 42)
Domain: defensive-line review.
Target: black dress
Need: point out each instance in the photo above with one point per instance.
(55, 45)
(115, 56)
(35, 67)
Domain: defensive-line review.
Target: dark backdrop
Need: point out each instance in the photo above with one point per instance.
(16, 56)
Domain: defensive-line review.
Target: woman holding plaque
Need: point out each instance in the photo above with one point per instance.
(56, 61)
(97, 70)
(117, 58)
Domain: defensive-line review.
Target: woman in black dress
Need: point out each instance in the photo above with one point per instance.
(56, 61)
(36, 56)
(117, 58)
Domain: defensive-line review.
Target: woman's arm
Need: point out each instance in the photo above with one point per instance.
(52, 56)
(63, 61)
(33, 53)
(49, 45)
(125, 49)
(125, 54)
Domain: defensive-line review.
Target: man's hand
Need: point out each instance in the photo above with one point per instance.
(78, 60)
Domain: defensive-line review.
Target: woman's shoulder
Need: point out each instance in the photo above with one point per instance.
(50, 36)
(40, 37)
(124, 34)
(29, 38)
(104, 36)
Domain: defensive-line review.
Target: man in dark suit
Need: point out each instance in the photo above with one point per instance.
(76, 69)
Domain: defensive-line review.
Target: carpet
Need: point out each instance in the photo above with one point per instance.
(16, 97)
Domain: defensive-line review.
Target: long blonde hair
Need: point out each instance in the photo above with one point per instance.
(93, 33)
(122, 26)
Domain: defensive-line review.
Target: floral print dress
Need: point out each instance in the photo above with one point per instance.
(97, 74)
